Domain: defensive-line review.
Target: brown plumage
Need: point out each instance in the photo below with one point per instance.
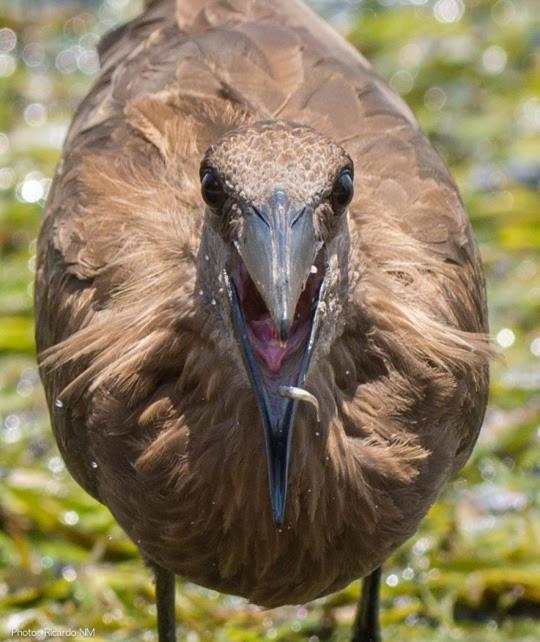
(150, 396)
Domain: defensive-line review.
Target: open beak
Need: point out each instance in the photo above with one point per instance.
(274, 284)
(278, 248)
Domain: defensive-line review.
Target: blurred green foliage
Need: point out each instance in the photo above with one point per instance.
(471, 73)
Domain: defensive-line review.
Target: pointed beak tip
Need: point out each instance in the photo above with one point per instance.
(278, 507)
(278, 518)
(284, 329)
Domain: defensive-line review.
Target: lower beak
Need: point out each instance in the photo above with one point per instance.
(278, 248)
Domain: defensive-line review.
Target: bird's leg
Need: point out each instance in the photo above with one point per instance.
(366, 624)
(165, 604)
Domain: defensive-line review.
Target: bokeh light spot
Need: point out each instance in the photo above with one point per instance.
(506, 338)
(8, 65)
(494, 59)
(448, 11)
(8, 39)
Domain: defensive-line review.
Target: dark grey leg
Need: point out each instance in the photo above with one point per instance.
(366, 624)
(165, 604)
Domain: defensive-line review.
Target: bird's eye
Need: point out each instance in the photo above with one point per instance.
(343, 191)
(212, 190)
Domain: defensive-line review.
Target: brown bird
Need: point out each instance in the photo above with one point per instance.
(269, 383)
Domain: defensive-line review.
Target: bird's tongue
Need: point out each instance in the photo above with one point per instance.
(265, 342)
(277, 358)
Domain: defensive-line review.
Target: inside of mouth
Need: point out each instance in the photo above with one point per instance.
(279, 364)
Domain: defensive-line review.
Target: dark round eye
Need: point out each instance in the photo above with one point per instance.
(343, 191)
(212, 189)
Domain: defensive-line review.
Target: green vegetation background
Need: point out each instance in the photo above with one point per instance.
(471, 73)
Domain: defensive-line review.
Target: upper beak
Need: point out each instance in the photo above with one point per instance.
(278, 248)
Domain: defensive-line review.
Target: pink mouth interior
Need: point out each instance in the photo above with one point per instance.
(262, 334)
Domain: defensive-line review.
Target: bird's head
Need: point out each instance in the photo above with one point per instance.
(276, 239)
